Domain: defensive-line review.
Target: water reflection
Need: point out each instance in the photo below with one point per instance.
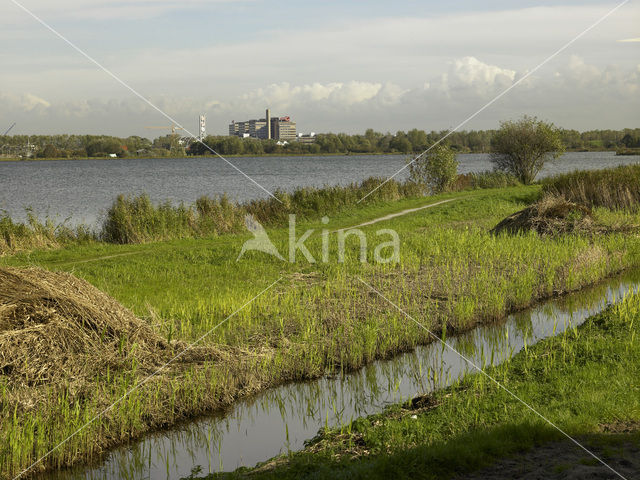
(281, 419)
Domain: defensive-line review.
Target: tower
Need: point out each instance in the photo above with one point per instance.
(268, 122)
(202, 128)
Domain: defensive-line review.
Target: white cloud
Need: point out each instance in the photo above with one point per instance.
(599, 98)
(470, 71)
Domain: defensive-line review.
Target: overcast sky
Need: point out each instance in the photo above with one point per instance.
(340, 66)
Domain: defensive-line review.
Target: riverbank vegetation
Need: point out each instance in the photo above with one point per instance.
(475, 424)
(135, 219)
(402, 142)
(313, 320)
(37, 234)
(615, 188)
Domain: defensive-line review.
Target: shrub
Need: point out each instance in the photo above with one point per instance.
(437, 169)
(522, 147)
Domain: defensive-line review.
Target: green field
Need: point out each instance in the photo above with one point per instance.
(313, 320)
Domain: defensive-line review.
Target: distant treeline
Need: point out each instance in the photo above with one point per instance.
(475, 141)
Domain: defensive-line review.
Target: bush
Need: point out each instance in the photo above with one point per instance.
(522, 147)
(437, 169)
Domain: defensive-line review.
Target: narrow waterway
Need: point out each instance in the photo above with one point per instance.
(281, 419)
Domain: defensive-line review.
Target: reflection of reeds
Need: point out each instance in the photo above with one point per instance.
(579, 381)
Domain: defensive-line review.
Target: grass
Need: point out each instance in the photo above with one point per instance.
(584, 381)
(615, 188)
(313, 321)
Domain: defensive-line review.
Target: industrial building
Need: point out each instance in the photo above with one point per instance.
(276, 128)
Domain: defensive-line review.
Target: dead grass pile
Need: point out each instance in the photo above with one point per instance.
(552, 215)
(57, 328)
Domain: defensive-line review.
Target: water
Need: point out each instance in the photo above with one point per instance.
(81, 190)
(281, 419)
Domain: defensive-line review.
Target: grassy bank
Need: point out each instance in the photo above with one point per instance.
(475, 423)
(314, 320)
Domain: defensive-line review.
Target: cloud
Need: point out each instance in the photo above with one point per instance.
(27, 102)
(343, 74)
(578, 95)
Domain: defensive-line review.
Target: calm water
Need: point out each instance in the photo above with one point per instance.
(279, 419)
(81, 190)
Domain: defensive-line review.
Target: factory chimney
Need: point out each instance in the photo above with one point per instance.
(268, 118)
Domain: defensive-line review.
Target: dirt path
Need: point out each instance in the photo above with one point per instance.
(397, 214)
(564, 460)
(95, 259)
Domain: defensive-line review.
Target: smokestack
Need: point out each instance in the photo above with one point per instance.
(268, 118)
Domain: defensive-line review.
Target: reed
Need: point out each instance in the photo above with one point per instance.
(35, 234)
(614, 188)
(487, 179)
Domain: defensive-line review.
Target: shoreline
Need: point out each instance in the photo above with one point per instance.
(276, 155)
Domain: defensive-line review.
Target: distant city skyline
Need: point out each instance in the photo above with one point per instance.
(333, 66)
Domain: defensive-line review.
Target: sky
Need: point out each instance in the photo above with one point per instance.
(333, 66)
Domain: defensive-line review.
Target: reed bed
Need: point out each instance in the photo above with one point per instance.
(137, 220)
(487, 179)
(35, 234)
(614, 188)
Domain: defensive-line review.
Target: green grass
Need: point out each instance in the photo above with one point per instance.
(315, 319)
(581, 380)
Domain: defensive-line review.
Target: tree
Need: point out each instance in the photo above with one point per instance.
(628, 141)
(522, 147)
(49, 151)
(400, 143)
(418, 139)
(437, 169)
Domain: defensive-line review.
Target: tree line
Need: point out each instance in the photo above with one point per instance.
(412, 141)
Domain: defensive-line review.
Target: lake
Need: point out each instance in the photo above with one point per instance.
(80, 191)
